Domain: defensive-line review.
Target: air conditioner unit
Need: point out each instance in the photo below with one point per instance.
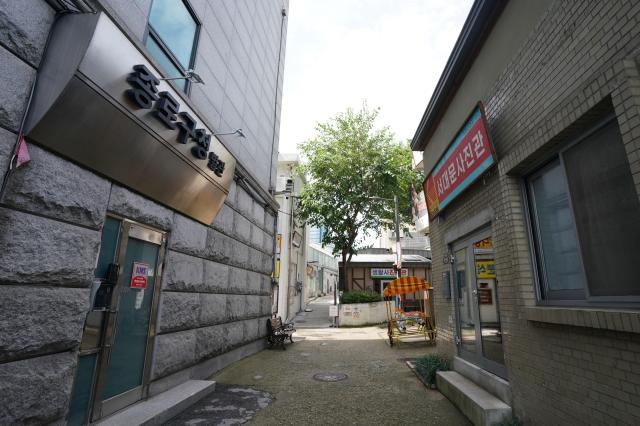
(289, 186)
(284, 184)
(281, 183)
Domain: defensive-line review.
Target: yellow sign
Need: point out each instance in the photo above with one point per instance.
(279, 244)
(485, 244)
(277, 268)
(486, 269)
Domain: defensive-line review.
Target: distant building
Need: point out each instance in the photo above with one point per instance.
(293, 238)
(316, 234)
(374, 270)
(409, 239)
(322, 270)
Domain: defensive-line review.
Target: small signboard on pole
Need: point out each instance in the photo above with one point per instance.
(333, 310)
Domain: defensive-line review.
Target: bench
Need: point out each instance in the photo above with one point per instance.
(279, 332)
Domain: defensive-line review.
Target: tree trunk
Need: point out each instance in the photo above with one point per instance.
(345, 269)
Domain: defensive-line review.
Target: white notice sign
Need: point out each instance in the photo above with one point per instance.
(333, 310)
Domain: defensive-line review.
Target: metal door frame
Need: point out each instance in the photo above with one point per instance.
(102, 408)
(478, 357)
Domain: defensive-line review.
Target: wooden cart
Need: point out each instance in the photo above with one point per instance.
(409, 310)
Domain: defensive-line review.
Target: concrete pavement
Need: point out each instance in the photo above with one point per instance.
(319, 315)
(276, 387)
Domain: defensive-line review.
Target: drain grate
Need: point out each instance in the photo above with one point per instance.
(329, 377)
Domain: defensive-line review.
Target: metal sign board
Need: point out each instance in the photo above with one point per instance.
(105, 107)
(466, 159)
(333, 310)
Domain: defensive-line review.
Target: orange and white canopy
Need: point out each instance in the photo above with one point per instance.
(406, 285)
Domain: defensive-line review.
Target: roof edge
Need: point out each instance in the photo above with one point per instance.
(476, 28)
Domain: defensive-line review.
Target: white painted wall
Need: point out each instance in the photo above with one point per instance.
(357, 314)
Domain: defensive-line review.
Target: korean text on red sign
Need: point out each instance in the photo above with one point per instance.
(468, 157)
(139, 275)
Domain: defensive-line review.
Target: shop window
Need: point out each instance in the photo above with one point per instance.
(585, 220)
(172, 37)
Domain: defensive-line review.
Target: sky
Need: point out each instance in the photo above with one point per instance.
(340, 53)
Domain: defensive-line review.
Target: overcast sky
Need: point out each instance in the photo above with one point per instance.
(342, 52)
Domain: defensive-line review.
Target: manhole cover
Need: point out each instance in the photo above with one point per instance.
(329, 377)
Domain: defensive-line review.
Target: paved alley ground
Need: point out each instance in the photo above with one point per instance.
(276, 387)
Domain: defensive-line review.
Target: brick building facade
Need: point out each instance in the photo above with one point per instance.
(66, 215)
(556, 78)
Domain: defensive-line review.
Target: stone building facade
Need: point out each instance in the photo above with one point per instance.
(213, 292)
(554, 78)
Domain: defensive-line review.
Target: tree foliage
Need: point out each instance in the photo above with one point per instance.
(354, 170)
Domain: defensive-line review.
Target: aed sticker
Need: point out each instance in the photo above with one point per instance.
(139, 299)
(139, 275)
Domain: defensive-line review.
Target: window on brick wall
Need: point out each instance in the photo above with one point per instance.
(585, 222)
(172, 37)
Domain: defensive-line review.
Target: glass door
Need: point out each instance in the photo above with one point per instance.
(479, 328)
(115, 353)
(465, 303)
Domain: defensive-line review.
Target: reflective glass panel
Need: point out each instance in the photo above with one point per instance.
(465, 302)
(172, 21)
(607, 212)
(126, 365)
(487, 285)
(82, 390)
(170, 69)
(556, 229)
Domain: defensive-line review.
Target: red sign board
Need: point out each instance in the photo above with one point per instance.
(484, 296)
(139, 275)
(468, 157)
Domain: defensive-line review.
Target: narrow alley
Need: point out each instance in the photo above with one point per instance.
(276, 387)
(187, 185)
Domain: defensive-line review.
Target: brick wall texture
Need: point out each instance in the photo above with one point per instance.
(216, 280)
(581, 54)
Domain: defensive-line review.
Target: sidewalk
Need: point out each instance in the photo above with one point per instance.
(319, 315)
(276, 387)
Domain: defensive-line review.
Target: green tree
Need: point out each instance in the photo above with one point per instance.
(354, 170)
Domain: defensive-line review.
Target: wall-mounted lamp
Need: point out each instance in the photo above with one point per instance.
(235, 132)
(190, 75)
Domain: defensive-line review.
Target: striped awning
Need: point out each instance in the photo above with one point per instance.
(406, 285)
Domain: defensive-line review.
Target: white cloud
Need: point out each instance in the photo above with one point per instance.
(342, 52)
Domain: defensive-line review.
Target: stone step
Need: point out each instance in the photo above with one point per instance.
(490, 382)
(480, 407)
(162, 407)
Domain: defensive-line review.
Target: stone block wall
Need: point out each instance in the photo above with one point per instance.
(216, 282)
(44, 221)
(216, 286)
(581, 56)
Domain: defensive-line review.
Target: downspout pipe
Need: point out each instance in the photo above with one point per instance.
(273, 141)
